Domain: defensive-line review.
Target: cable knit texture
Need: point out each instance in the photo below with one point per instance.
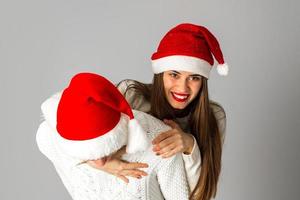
(166, 177)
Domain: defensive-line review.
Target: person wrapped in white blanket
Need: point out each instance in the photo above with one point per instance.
(91, 120)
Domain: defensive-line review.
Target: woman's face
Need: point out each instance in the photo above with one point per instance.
(181, 87)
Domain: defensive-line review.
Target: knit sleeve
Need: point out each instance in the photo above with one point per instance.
(192, 163)
(136, 101)
(172, 178)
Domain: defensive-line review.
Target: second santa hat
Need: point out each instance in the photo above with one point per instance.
(95, 120)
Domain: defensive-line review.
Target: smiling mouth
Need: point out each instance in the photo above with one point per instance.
(180, 97)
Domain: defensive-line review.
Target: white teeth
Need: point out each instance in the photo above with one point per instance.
(179, 96)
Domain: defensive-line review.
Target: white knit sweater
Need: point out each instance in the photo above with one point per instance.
(166, 177)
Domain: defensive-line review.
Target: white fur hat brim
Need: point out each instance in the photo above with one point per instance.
(181, 63)
(86, 149)
(99, 147)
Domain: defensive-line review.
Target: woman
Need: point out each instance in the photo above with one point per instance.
(179, 96)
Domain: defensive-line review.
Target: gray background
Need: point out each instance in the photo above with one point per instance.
(44, 43)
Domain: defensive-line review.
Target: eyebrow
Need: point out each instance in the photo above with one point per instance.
(195, 75)
(176, 72)
(189, 75)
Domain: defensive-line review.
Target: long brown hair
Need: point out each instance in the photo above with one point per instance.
(203, 126)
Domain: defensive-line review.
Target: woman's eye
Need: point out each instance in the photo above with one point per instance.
(173, 75)
(194, 78)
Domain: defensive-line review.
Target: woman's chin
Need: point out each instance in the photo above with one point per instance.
(178, 106)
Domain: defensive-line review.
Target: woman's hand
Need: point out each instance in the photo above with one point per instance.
(173, 141)
(115, 166)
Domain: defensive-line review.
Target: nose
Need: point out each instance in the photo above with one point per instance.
(183, 86)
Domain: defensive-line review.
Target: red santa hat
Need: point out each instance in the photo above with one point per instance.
(188, 47)
(95, 120)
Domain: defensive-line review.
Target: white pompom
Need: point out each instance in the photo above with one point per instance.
(137, 138)
(223, 69)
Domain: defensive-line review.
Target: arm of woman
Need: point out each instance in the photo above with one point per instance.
(119, 168)
(192, 163)
(176, 141)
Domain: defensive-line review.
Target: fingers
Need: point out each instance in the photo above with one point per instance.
(130, 169)
(164, 143)
(167, 149)
(171, 153)
(169, 146)
(162, 136)
(134, 165)
(120, 168)
(131, 173)
(134, 173)
(123, 178)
